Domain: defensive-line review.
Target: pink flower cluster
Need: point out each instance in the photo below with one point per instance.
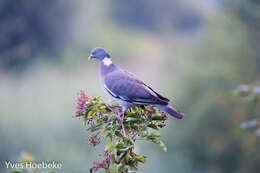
(81, 102)
(94, 139)
(103, 164)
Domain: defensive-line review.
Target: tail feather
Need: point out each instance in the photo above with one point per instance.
(170, 110)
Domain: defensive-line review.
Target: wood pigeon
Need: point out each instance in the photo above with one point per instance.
(126, 89)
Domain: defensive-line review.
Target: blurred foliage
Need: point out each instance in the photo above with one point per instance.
(250, 93)
(31, 29)
(147, 15)
(139, 123)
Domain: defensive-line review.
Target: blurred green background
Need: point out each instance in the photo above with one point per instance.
(192, 51)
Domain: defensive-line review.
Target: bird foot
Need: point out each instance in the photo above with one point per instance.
(120, 117)
(113, 109)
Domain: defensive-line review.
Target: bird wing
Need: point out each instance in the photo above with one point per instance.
(123, 85)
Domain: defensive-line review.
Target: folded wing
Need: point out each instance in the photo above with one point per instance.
(123, 85)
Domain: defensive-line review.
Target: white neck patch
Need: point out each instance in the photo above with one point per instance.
(107, 61)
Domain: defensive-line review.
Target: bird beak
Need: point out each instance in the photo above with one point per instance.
(90, 57)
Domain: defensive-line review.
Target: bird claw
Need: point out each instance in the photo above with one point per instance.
(120, 117)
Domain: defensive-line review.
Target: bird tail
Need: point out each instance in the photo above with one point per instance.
(170, 110)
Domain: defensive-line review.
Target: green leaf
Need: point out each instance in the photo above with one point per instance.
(90, 106)
(96, 99)
(120, 168)
(155, 134)
(133, 120)
(134, 109)
(109, 135)
(118, 134)
(132, 115)
(15, 172)
(105, 130)
(119, 145)
(139, 158)
(153, 126)
(84, 120)
(163, 146)
(109, 146)
(112, 170)
(127, 129)
(133, 168)
(91, 112)
(134, 127)
(157, 117)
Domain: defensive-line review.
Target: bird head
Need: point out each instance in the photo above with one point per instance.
(98, 53)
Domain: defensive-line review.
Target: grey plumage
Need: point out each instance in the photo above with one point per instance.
(126, 87)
